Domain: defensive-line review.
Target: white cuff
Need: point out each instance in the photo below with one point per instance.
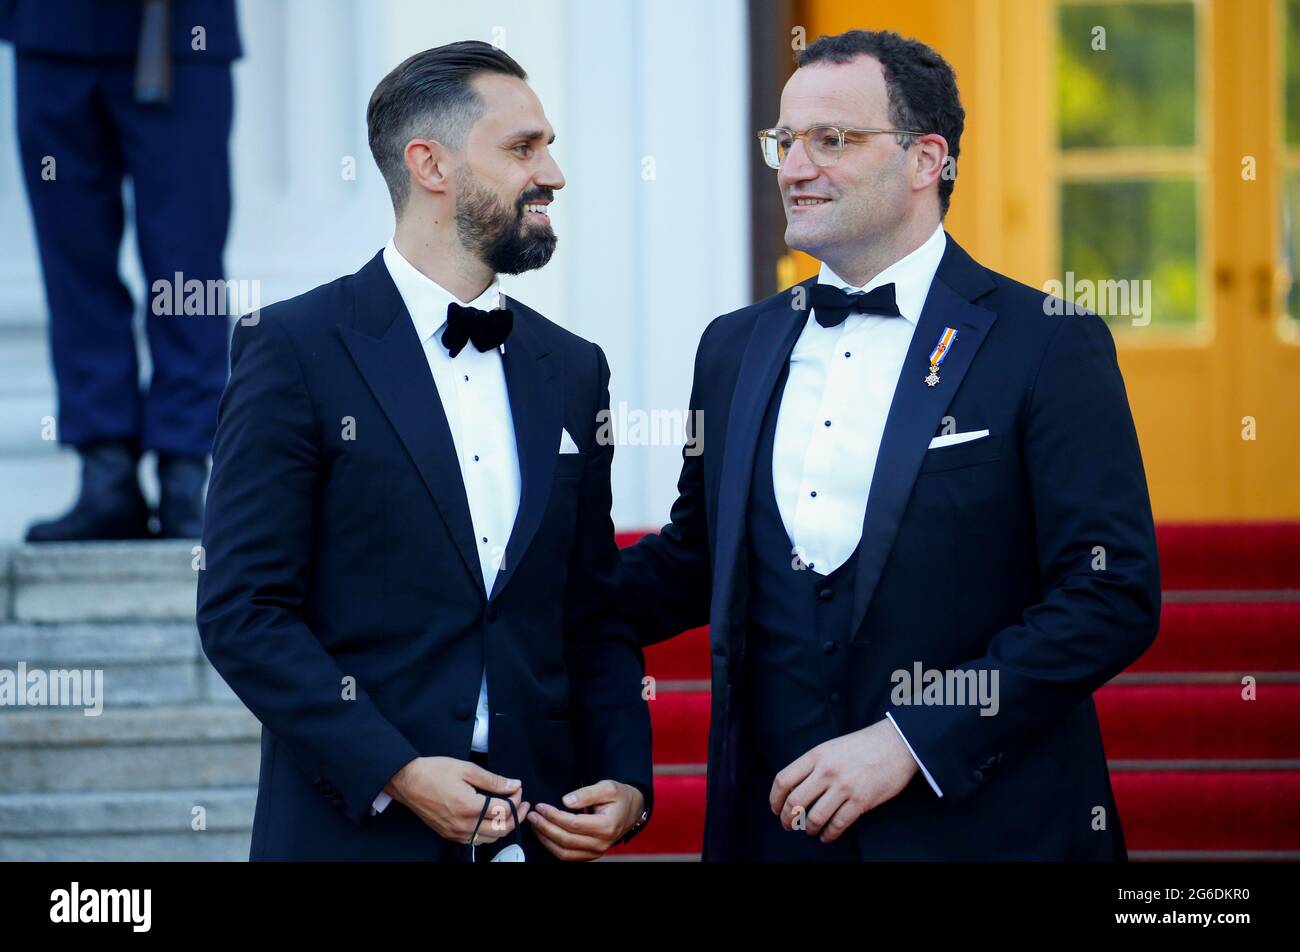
(930, 780)
(380, 803)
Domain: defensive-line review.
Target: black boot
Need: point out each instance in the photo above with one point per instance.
(110, 506)
(180, 495)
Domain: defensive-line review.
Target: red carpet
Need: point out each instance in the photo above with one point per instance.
(1199, 772)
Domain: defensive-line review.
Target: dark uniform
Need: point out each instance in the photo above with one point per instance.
(98, 99)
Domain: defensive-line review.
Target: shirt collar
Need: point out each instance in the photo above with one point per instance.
(426, 300)
(911, 276)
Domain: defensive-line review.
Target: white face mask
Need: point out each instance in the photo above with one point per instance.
(513, 853)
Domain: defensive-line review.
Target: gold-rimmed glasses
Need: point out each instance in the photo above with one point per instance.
(824, 144)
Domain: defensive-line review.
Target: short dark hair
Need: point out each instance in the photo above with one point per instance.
(922, 87)
(429, 95)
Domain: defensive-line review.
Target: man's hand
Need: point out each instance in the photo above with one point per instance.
(614, 809)
(836, 782)
(441, 792)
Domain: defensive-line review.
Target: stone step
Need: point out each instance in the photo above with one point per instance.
(102, 581)
(128, 825)
(25, 369)
(31, 487)
(142, 662)
(42, 480)
(130, 749)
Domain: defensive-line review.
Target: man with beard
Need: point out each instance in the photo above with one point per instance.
(409, 551)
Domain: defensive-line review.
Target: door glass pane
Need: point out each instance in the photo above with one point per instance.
(1291, 197)
(1135, 244)
(1126, 86)
(1140, 90)
(1291, 58)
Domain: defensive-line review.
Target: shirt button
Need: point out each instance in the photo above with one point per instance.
(828, 423)
(467, 376)
(848, 354)
(476, 458)
(813, 494)
(826, 594)
(485, 540)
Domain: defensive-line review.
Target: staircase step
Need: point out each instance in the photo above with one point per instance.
(1202, 812)
(1152, 722)
(103, 581)
(127, 825)
(677, 826)
(683, 657)
(42, 483)
(1199, 722)
(1210, 556)
(1208, 810)
(680, 721)
(1218, 556)
(142, 663)
(1244, 636)
(131, 749)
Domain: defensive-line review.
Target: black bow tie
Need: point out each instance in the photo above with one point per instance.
(487, 329)
(831, 305)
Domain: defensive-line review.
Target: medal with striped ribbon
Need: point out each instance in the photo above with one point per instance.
(937, 355)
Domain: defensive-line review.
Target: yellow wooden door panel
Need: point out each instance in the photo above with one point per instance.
(1189, 388)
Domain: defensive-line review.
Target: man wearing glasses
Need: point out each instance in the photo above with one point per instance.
(920, 530)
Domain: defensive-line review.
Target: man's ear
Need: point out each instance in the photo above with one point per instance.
(932, 155)
(429, 164)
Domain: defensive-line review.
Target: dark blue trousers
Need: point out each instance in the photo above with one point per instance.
(80, 134)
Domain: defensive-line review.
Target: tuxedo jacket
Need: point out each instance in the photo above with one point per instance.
(1029, 553)
(342, 597)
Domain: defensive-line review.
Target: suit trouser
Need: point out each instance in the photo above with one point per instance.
(80, 133)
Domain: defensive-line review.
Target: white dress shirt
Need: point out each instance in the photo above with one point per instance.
(472, 388)
(832, 415)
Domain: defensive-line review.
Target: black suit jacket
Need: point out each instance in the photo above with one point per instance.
(977, 555)
(333, 561)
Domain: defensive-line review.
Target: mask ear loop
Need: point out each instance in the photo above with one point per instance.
(487, 799)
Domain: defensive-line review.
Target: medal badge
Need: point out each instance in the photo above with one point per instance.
(940, 352)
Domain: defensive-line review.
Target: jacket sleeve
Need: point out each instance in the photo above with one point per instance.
(611, 718)
(258, 538)
(666, 580)
(1096, 553)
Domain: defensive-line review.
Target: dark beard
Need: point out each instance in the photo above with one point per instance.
(498, 234)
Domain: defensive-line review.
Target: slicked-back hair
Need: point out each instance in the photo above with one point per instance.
(922, 87)
(429, 96)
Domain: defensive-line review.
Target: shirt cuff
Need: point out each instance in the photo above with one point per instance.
(383, 800)
(930, 780)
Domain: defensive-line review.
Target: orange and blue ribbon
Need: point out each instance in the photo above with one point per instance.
(941, 349)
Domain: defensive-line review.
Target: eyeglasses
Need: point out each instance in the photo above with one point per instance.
(825, 144)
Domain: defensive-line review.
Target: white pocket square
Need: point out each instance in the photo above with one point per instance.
(948, 439)
(566, 442)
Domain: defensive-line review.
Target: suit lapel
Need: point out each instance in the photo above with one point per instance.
(390, 357)
(535, 406)
(917, 409)
(769, 346)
